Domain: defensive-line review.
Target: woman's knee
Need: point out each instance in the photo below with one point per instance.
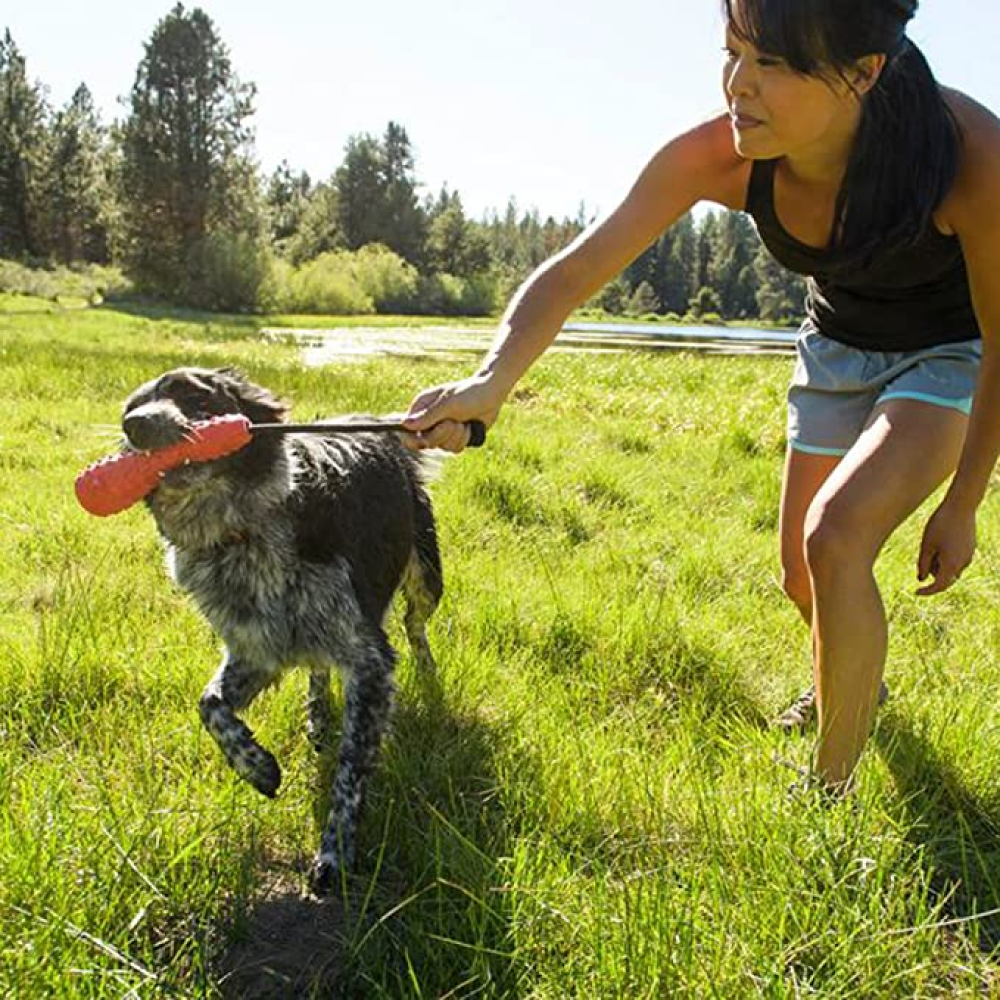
(835, 537)
(798, 588)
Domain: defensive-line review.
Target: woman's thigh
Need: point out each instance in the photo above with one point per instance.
(908, 448)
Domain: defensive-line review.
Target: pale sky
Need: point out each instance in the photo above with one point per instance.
(551, 102)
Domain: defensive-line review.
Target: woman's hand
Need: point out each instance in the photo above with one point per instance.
(948, 546)
(438, 417)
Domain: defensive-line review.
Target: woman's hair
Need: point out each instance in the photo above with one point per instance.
(905, 154)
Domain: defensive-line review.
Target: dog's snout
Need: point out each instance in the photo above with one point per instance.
(154, 425)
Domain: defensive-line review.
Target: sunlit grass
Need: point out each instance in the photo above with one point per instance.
(586, 804)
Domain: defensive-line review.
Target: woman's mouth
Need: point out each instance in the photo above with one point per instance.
(744, 122)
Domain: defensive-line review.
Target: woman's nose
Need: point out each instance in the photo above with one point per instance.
(739, 78)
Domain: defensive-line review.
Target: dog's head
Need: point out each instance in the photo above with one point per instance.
(160, 413)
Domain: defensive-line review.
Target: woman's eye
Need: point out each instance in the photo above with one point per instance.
(765, 62)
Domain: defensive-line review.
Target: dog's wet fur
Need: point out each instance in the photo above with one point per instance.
(293, 548)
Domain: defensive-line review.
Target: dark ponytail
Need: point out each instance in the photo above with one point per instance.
(904, 160)
(905, 154)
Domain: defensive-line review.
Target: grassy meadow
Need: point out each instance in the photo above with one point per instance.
(586, 803)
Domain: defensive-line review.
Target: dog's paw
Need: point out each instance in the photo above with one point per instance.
(324, 874)
(258, 767)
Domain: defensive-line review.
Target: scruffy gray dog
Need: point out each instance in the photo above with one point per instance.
(293, 548)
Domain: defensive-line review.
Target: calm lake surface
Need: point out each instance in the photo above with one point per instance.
(321, 347)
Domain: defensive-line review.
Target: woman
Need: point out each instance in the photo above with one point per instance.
(882, 186)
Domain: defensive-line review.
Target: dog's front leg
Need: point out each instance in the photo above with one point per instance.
(367, 701)
(235, 685)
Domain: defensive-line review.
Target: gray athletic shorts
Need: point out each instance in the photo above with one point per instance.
(835, 387)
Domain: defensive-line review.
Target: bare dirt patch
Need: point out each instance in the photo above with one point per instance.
(288, 946)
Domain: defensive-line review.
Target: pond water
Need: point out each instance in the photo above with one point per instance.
(321, 347)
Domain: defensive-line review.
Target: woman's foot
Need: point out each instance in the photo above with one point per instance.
(813, 789)
(810, 785)
(802, 712)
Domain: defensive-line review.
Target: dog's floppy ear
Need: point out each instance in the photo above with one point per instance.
(254, 401)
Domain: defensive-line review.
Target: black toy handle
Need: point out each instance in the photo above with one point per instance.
(477, 429)
(477, 433)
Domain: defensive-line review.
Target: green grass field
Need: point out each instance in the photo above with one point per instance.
(586, 804)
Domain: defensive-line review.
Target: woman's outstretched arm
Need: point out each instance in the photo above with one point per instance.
(698, 165)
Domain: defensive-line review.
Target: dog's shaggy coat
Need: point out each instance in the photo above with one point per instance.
(293, 548)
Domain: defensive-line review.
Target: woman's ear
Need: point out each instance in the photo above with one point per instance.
(866, 72)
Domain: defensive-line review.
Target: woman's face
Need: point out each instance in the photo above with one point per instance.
(776, 111)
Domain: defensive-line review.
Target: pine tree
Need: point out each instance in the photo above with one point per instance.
(360, 189)
(23, 143)
(318, 228)
(613, 298)
(187, 180)
(407, 222)
(518, 242)
(453, 245)
(707, 230)
(76, 195)
(286, 199)
(377, 195)
(643, 268)
(685, 257)
(730, 269)
(780, 293)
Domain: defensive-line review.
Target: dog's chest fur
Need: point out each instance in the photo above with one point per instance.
(284, 568)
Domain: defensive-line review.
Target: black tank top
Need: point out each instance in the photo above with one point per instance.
(906, 299)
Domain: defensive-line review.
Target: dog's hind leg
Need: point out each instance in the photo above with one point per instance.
(233, 687)
(367, 702)
(420, 604)
(319, 723)
(423, 584)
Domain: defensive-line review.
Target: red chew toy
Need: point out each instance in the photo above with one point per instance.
(115, 483)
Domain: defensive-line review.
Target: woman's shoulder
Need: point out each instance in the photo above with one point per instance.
(968, 112)
(979, 158)
(978, 126)
(707, 152)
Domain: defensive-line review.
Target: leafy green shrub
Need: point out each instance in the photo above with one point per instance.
(643, 300)
(479, 295)
(388, 280)
(274, 295)
(705, 301)
(449, 295)
(372, 279)
(326, 285)
(93, 282)
(338, 283)
(228, 272)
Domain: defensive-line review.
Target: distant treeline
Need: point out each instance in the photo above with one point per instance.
(172, 195)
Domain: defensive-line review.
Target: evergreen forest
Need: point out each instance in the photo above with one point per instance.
(169, 203)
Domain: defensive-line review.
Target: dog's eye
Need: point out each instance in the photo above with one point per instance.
(182, 389)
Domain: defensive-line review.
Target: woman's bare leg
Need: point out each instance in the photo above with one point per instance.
(804, 474)
(907, 450)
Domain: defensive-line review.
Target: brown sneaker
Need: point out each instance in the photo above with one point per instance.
(802, 712)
